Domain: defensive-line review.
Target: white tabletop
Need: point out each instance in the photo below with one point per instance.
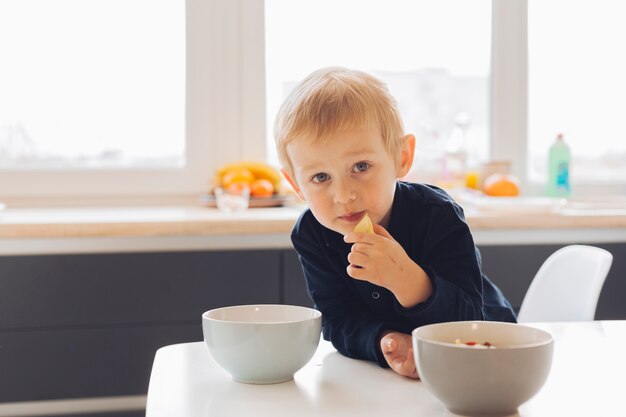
(588, 378)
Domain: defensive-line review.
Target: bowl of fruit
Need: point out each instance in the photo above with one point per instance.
(258, 183)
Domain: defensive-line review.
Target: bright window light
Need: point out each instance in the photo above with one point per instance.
(433, 55)
(576, 85)
(92, 84)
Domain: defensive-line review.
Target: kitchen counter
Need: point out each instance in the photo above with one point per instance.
(86, 268)
(124, 229)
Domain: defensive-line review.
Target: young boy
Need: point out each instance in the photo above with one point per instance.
(341, 143)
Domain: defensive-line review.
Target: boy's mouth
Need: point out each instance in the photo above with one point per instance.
(353, 217)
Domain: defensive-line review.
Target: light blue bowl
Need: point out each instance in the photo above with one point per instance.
(262, 343)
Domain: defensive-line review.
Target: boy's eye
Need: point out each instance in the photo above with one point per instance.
(361, 166)
(321, 177)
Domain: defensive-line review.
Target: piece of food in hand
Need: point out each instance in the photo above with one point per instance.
(365, 225)
(261, 188)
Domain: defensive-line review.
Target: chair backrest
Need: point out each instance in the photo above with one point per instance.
(567, 286)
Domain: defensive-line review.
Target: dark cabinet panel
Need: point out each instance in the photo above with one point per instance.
(294, 286)
(79, 363)
(110, 289)
(76, 326)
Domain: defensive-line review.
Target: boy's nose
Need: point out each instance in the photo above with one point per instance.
(343, 192)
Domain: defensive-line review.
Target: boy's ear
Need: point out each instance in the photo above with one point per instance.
(406, 155)
(293, 183)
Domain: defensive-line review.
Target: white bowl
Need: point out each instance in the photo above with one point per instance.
(264, 343)
(472, 381)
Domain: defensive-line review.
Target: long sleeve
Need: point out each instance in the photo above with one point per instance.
(348, 322)
(448, 256)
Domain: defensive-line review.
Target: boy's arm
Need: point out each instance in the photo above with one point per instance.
(450, 260)
(353, 330)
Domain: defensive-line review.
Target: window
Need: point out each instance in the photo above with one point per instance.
(482, 66)
(83, 88)
(434, 57)
(576, 86)
(536, 48)
(114, 99)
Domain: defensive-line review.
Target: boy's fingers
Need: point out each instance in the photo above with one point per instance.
(356, 272)
(379, 230)
(354, 237)
(361, 237)
(356, 258)
(386, 345)
(412, 366)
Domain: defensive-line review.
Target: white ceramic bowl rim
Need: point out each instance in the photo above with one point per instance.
(547, 337)
(306, 313)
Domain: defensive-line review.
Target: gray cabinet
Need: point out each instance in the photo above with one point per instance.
(294, 287)
(76, 326)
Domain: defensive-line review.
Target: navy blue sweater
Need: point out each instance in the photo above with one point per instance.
(431, 228)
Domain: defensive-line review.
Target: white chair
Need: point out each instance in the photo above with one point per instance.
(567, 286)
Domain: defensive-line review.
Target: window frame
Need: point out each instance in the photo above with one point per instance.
(224, 119)
(509, 101)
(225, 112)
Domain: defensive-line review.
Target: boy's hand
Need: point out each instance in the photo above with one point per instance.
(379, 259)
(396, 348)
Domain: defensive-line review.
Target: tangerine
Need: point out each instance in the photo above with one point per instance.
(238, 174)
(500, 185)
(238, 187)
(261, 188)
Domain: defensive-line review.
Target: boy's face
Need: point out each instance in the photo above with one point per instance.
(348, 175)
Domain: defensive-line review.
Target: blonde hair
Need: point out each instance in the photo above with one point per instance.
(332, 100)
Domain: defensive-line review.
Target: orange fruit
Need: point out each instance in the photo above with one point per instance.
(500, 185)
(261, 188)
(237, 187)
(471, 180)
(238, 174)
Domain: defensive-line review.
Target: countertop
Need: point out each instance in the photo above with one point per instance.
(198, 227)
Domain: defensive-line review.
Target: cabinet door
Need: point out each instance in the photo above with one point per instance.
(76, 326)
(81, 363)
(111, 289)
(294, 286)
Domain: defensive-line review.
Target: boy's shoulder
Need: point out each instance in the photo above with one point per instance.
(308, 231)
(424, 194)
(306, 223)
(427, 199)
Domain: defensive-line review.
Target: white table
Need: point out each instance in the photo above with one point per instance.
(588, 378)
